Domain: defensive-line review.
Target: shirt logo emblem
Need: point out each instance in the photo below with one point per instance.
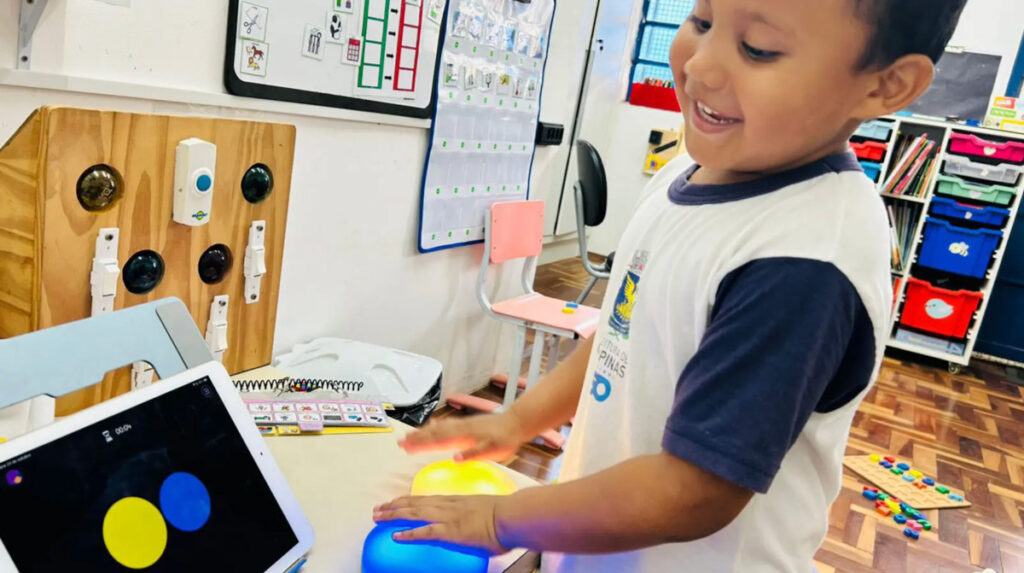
(601, 388)
(622, 311)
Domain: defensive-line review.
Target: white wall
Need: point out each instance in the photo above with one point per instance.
(350, 263)
(620, 131)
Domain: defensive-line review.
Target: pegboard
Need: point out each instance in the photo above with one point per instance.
(48, 239)
(895, 486)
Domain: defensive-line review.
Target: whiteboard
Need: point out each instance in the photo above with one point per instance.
(370, 55)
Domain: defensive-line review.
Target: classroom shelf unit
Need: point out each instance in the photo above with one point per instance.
(950, 249)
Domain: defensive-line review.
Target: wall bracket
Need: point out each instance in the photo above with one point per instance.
(28, 18)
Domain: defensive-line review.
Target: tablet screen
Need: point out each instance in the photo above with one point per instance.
(168, 485)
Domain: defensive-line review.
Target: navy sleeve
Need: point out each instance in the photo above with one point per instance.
(787, 337)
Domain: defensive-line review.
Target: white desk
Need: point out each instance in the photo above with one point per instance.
(338, 480)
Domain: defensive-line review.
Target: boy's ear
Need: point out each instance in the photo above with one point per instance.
(897, 86)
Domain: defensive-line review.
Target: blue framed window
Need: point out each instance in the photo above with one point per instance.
(658, 26)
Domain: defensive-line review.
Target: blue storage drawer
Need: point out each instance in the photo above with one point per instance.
(994, 216)
(871, 169)
(957, 250)
(877, 129)
(1001, 334)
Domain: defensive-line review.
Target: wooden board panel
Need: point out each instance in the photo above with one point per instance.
(39, 171)
(19, 221)
(894, 485)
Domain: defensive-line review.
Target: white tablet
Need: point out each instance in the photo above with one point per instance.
(171, 477)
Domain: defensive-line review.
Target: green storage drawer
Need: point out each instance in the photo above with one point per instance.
(956, 187)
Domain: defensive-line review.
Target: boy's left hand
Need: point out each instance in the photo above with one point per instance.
(468, 521)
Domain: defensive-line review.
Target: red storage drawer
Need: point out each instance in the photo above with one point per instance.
(869, 150)
(939, 311)
(657, 97)
(963, 144)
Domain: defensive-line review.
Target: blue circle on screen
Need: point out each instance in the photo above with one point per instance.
(184, 501)
(382, 554)
(204, 182)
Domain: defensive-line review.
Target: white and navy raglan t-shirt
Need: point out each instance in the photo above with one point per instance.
(743, 325)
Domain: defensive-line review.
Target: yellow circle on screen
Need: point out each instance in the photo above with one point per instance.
(134, 532)
(468, 478)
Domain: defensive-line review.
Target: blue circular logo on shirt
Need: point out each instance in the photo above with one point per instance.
(601, 388)
(204, 182)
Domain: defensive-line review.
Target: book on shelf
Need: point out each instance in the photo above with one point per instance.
(896, 257)
(903, 220)
(913, 169)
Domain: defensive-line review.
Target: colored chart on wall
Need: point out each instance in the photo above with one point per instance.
(369, 55)
(488, 104)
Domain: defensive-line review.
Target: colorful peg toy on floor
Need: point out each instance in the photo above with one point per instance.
(912, 476)
(902, 513)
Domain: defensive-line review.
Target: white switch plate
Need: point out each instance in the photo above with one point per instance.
(255, 265)
(105, 271)
(217, 327)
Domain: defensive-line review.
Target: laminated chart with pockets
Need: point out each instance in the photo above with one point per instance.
(488, 104)
(369, 55)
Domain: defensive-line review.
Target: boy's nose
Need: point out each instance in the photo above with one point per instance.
(705, 69)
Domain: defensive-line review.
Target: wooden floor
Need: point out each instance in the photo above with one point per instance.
(966, 430)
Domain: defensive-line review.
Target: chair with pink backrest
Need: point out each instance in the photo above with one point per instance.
(515, 230)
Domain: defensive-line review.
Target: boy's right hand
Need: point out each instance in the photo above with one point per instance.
(495, 437)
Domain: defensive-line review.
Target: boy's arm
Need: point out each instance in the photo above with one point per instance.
(552, 402)
(645, 501)
(787, 338)
(548, 405)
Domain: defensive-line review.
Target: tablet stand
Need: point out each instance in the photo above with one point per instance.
(60, 360)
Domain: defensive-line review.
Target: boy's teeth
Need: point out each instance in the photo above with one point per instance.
(712, 116)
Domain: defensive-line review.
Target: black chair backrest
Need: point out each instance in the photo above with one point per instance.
(593, 183)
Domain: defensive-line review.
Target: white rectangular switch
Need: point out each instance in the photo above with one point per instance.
(217, 327)
(105, 272)
(255, 266)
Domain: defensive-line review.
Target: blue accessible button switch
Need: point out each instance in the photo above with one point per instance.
(204, 182)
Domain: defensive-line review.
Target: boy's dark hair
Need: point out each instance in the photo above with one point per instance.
(904, 27)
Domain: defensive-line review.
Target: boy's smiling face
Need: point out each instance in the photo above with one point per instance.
(768, 85)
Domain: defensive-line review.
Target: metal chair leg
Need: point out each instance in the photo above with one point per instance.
(515, 367)
(554, 352)
(586, 291)
(535, 359)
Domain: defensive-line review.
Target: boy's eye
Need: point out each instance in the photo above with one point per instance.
(759, 55)
(702, 26)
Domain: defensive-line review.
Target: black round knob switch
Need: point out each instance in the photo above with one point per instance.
(143, 272)
(214, 264)
(257, 183)
(99, 187)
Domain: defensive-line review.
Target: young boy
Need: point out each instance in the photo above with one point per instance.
(746, 316)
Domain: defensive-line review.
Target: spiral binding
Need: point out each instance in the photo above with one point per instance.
(298, 385)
